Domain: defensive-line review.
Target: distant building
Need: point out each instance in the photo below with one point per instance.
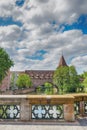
(38, 77)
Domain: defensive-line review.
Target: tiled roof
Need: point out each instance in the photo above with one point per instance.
(40, 74)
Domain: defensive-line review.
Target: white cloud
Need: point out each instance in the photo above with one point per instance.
(5, 7)
(9, 33)
(39, 12)
(61, 11)
(72, 43)
(80, 62)
(41, 31)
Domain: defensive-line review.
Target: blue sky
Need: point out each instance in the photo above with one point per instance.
(9, 21)
(36, 32)
(80, 24)
(20, 2)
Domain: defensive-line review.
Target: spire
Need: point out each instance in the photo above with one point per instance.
(62, 62)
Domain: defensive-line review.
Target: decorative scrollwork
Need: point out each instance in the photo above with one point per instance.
(77, 108)
(85, 107)
(47, 111)
(9, 111)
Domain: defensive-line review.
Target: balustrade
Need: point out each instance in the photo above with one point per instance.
(42, 107)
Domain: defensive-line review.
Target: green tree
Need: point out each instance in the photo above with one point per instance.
(66, 79)
(5, 63)
(13, 81)
(61, 78)
(39, 90)
(85, 84)
(84, 75)
(81, 86)
(24, 81)
(74, 79)
(48, 88)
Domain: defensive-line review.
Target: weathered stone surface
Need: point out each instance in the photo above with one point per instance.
(69, 112)
(39, 77)
(82, 108)
(25, 110)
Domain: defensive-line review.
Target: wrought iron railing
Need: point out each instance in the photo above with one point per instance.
(9, 111)
(42, 107)
(47, 112)
(85, 107)
(77, 108)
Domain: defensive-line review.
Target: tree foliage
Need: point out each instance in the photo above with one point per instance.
(84, 82)
(13, 81)
(5, 63)
(24, 81)
(47, 88)
(66, 79)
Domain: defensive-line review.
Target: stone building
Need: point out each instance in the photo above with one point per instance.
(38, 77)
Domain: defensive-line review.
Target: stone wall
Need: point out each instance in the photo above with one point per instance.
(39, 77)
(5, 83)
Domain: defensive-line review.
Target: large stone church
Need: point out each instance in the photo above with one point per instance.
(38, 77)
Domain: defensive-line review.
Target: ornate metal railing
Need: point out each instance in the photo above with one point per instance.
(42, 107)
(47, 112)
(77, 108)
(85, 107)
(9, 111)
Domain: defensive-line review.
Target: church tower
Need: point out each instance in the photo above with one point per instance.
(62, 62)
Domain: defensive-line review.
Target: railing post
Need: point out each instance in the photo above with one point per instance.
(69, 112)
(25, 110)
(82, 108)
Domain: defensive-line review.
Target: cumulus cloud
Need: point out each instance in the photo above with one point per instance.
(41, 11)
(72, 43)
(61, 11)
(80, 62)
(41, 30)
(9, 33)
(5, 7)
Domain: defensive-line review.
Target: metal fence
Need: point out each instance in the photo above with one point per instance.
(77, 108)
(85, 107)
(9, 111)
(47, 112)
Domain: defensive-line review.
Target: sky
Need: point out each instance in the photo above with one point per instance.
(35, 33)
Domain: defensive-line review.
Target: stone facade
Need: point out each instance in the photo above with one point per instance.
(39, 77)
(5, 83)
